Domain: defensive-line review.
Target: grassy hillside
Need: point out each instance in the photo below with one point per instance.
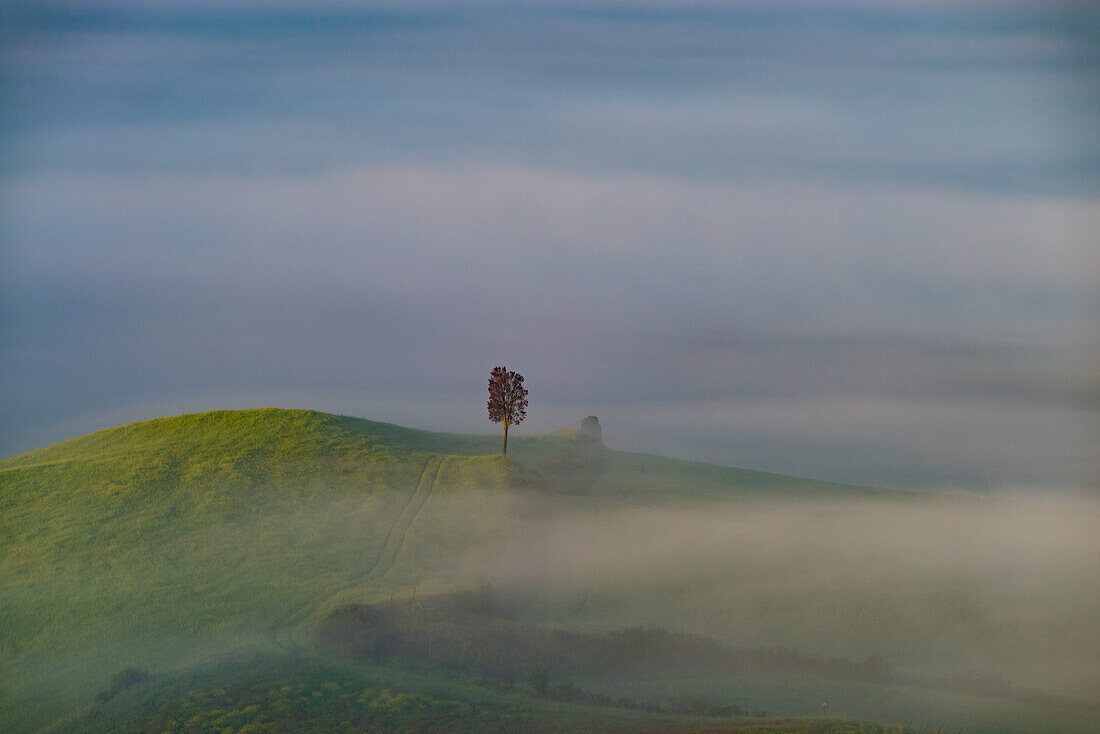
(163, 543)
(160, 540)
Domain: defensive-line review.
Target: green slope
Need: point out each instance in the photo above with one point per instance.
(159, 544)
(155, 542)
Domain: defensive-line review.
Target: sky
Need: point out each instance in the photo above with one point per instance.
(848, 241)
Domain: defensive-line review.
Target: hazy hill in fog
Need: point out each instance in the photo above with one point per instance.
(161, 543)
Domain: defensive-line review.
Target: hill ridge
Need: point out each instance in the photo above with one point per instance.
(340, 429)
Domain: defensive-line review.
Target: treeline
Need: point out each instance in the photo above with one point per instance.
(538, 684)
(265, 695)
(472, 631)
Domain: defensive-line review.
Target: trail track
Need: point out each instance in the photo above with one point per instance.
(395, 538)
(285, 636)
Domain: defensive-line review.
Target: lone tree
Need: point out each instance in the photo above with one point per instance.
(507, 400)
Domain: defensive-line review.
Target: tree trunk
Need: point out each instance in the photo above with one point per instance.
(505, 449)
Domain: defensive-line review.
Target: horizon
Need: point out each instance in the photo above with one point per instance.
(828, 240)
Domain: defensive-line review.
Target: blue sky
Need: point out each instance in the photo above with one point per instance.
(836, 240)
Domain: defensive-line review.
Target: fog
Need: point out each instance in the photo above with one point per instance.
(851, 241)
(936, 585)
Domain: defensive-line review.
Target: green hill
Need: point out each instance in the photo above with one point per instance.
(162, 544)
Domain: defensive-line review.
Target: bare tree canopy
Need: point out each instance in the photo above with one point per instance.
(507, 400)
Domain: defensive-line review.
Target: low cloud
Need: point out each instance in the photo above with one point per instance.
(642, 210)
(933, 584)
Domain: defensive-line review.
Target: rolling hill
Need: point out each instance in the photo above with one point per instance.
(165, 544)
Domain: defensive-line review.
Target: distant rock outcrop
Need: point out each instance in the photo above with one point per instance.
(590, 426)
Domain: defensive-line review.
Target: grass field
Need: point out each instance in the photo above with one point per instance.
(166, 544)
(261, 693)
